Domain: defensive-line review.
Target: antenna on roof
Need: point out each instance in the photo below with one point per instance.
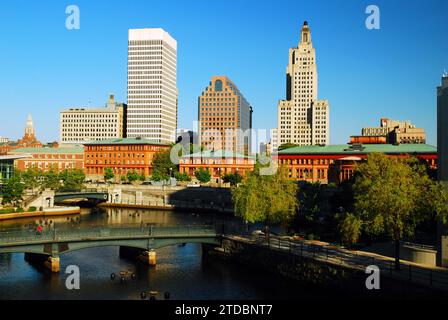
(445, 74)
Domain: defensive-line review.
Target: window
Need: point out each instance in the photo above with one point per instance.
(218, 85)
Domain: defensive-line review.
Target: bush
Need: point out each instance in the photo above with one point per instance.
(9, 210)
(202, 175)
(19, 209)
(182, 176)
(32, 209)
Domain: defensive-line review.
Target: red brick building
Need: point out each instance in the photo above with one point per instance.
(122, 155)
(46, 159)
(336, 163)
(218, 162)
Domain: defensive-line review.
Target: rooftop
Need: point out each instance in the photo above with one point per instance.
(365, 148)
(124, 141)
(216, 154)
(73, 150)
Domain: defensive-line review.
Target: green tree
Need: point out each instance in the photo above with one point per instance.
(203, 175)
(132, 176)
(182, 176)
(72, 179)
(350, 228)
(392, 196)
(51, 180)
(108, 174)
(232, 178)
(162, 165)
(268, 199)
(32, 178)
(286, 146)
(309, 200)
(13, 191)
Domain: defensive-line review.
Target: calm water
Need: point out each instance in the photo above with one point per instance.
(180, 270)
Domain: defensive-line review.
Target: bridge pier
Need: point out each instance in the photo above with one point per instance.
(50, 262)
(149, 257)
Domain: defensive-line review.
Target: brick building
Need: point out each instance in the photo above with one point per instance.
(218, 162)
(121, 155)
(336, 163)
(46, 159)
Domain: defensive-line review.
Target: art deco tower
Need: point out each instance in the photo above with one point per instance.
(302, 119)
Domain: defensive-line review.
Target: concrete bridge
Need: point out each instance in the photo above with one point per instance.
(89, 194)
(135, 241)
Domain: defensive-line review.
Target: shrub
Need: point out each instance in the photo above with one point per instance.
(32, 209)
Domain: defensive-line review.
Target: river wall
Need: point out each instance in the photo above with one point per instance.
(334, 281)
(170, 197)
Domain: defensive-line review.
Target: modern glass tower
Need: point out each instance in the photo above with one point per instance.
(152, 85)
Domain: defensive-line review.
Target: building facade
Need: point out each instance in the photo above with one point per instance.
(152, 85)
(47, 159)
(121, 155)
(218, 163)
(302, 118)
(442, 128)
(29, 139)
(81, 125)
(396, 132)
(337, 163)
(225, 117)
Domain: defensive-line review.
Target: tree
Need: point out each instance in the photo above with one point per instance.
(202, 175)
(350, 228)
(309, 200)
(232, 178)
(268, 199)
(108, 174)
(132, 176)
(51, 180)
(162, 165)
(182, 176)
(286, 146)
(32, 177)
(13, 191)
(393, 196)
(72, 179)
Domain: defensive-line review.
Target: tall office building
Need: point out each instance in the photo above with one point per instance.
(81, 125)
(152, 85)
(442, 129)
(225, 117)
(302, 119)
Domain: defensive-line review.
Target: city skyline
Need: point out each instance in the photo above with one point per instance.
(414, 73)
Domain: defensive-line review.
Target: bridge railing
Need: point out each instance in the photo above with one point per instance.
(97, 232)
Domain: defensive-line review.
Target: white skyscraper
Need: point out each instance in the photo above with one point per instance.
(152, 85)
(302, 119)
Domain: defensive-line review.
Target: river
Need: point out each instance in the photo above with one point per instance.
(180, 270)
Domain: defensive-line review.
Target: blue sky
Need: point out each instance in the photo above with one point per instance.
(365, 74)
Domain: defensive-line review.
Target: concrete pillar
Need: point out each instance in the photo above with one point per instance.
(149, 257)
(53, 264)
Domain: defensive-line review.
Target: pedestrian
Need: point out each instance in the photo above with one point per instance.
(39, 229)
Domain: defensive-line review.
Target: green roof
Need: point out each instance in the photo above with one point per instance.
(216, 154)
(121, 141)
(72, 150)
(366, 148)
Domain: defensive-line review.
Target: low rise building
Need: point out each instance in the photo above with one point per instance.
(121, 155)
(396, 132)
(46, 159)
(337, 163)
(81, 125)
(219, 163)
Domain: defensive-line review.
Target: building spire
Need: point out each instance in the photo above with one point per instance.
(306, 33)
(29, 126)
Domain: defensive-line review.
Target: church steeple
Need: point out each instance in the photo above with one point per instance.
(306, 33)
(29, 130)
